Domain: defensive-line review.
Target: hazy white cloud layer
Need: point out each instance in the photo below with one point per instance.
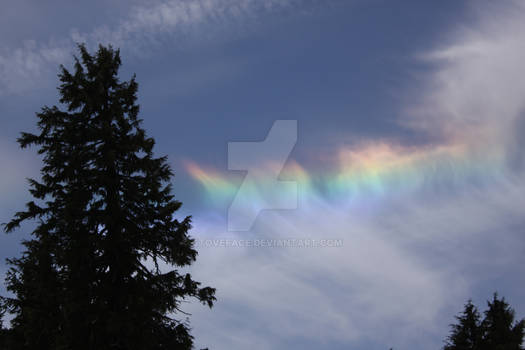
(402, 271)
(406, 264)
(22, 67)
(478, 88)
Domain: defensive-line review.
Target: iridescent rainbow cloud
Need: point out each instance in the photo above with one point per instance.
(372, 170)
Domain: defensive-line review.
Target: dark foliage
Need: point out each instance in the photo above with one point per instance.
(497, 331)
(467, 333)
(90, 276)
(500, 331)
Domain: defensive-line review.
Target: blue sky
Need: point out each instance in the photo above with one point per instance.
(409, 117)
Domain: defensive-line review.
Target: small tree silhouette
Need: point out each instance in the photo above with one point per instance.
(467, 333)
(497, 331)
(500, 331)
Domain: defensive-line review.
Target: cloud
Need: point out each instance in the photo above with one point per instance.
(404, 266)
(409, 260)
(477, 89)
(21, 67)
(143, 26)
(173, 16)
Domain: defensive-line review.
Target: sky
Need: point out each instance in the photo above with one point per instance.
(404, 158)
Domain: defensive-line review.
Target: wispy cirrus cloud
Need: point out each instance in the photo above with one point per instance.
(22, 67)
(142, 26)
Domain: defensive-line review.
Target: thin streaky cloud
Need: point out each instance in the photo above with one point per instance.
(21, 67)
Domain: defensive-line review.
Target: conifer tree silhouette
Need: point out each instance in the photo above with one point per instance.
(101, 270)
(501, 331)
(467, 333)
(497, 331)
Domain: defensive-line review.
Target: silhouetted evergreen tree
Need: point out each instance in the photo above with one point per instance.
(497, 331)
(467, 333)
(90, 277)
(501, 331)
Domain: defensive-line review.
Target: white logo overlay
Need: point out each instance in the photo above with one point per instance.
(261, 188)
